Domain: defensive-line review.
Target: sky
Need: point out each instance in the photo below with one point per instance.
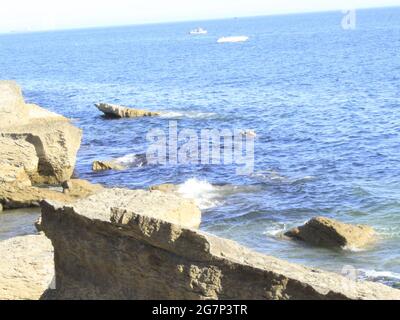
(28, 15)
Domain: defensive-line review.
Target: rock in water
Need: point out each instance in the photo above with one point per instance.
(115, 111)
(26, 267)
(166, 188)
(329, 233)
(121, 246)
(45, 144)
(106, 165)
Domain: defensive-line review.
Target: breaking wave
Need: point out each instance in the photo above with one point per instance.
(208, 196)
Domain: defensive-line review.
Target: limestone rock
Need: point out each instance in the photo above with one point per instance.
(115, 111)
(106, 165)
(326, 232)
(12, 109)
(14, 196)
(156, 204)
(44, 143)
(13, 177)
(166, 188)
(26, 267)
(134, 254)
(17, 151)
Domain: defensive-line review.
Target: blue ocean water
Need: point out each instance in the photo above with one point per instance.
(324, 102)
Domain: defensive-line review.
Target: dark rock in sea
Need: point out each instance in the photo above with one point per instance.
(329, 233)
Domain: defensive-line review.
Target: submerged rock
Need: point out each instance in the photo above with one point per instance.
(126, 249)
(166, 188)
(26, 267)
(106, 165)
(116, 111)
(44, 143)
(329, 233)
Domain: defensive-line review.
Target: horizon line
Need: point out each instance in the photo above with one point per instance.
(107, 26)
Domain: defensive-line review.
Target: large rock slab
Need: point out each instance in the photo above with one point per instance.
(43, 142)
(103, 253)
(26, 267)
(330, 233)
(116, 111)
(155, 204)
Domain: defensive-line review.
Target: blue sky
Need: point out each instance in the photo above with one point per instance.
(23, 15)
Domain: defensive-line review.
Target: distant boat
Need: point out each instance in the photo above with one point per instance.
(233, 39)
(198, 31)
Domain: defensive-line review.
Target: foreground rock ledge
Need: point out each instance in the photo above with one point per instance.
(103, 253)
(333, 234)
(116, 111)
(26, 267)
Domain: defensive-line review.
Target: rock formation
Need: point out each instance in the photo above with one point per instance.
(130, 251)
(106, 165)
(329, 233)
(14, 196)
(115, 111)
(26, 267)
(166, 188)
(43, 143)
(38, 147)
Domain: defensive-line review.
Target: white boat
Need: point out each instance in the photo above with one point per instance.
(233, 39)
(198, 31)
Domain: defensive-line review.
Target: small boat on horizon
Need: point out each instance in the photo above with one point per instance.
(198, 31)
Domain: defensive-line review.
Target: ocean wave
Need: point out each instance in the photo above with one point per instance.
(386, 277)
(271, 176)
(189, 115)
(233, 39)
(276, 230)
(353, 249)
(208, 196)
(204, 193)
(132, 160)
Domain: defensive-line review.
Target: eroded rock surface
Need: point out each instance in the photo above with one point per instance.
(329, 233)
(45, 144)
(14, 196)
(111, 253)
(115, 111)
(106, 165)
(26, 267)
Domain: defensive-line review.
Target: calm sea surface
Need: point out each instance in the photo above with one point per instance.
(324, 102)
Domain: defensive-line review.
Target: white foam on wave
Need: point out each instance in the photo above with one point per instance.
(202, 192)
(373, 274)
(132, 160)
(353, 249)
(189, 115)
(233, 39)
(276, 230)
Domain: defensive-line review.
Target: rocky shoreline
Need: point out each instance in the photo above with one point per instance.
(134, 244)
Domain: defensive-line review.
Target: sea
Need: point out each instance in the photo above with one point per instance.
(322, 97)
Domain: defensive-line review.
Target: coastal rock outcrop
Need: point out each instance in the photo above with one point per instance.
(106, 165)
(116, 111)
(44, 143)
(26, 267)
(21, 194)
(104, 252)
(329, 233)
